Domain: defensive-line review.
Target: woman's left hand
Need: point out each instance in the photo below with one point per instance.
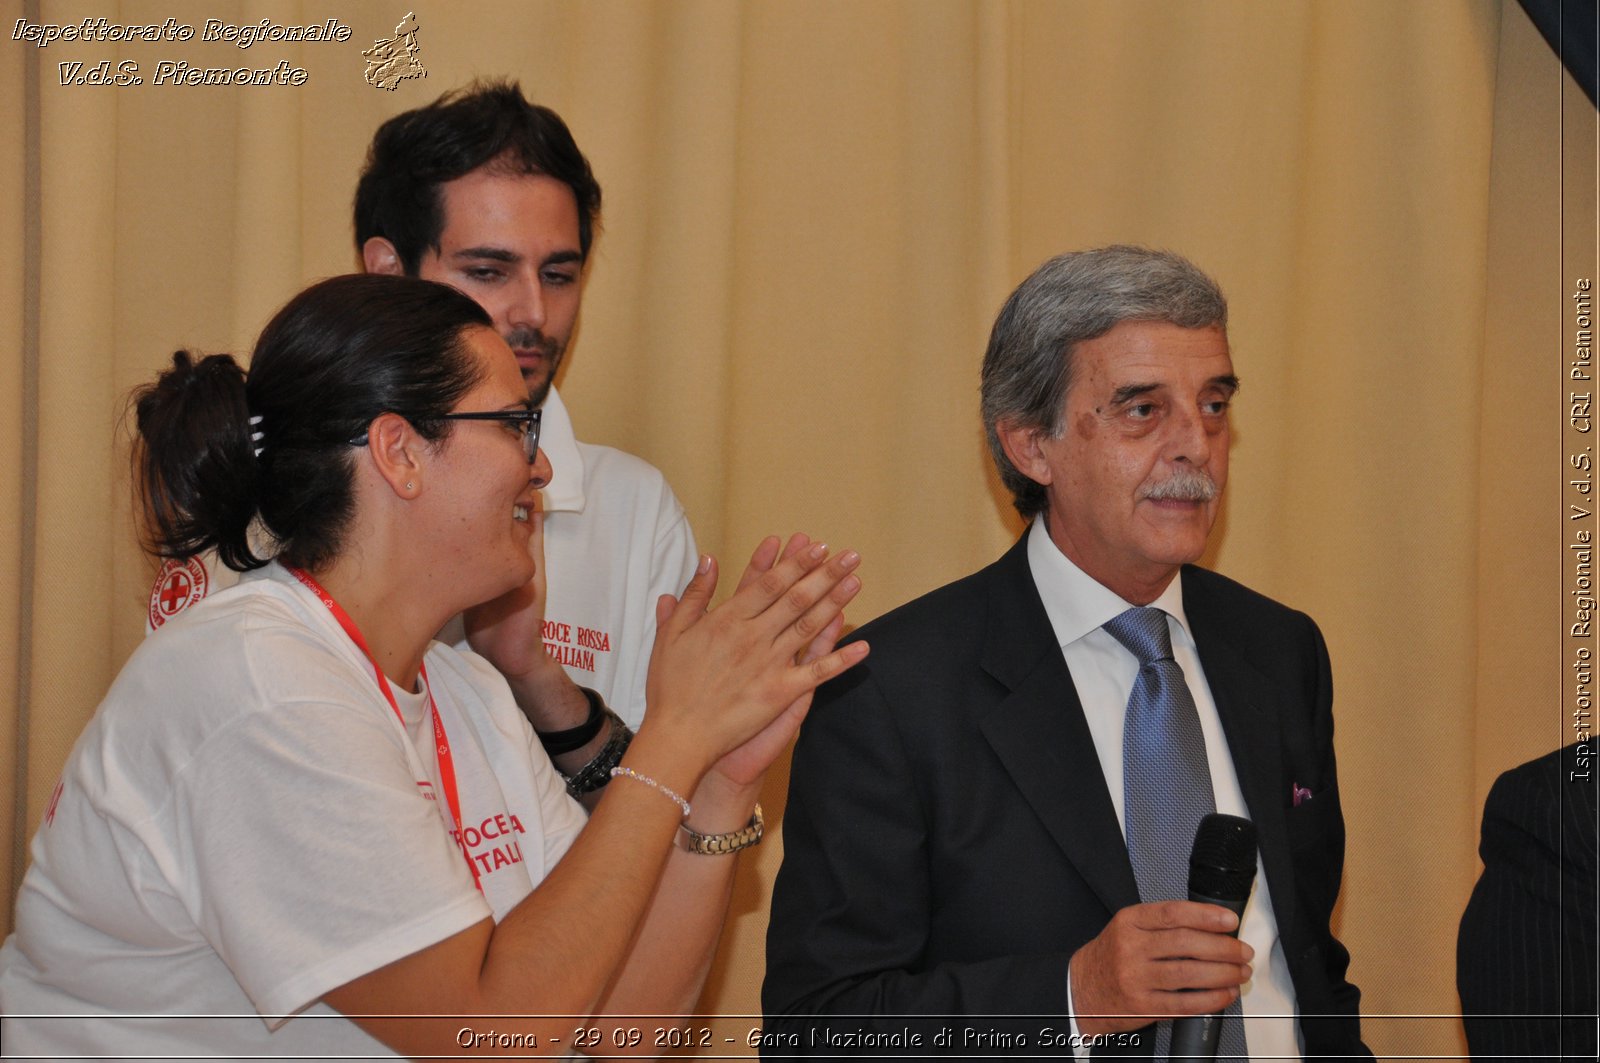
(744, 767)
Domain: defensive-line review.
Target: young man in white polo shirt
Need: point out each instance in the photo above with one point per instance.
(488, 193)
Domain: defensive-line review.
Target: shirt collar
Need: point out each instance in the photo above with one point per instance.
(564, 493)
(1075, 602)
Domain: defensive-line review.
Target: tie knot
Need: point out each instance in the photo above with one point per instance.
(1143, 631)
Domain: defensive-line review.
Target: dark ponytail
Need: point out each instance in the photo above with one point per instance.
(218, 448)
(194, 463)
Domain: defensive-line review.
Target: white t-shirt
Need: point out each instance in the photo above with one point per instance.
(615, 540)
(244, 825)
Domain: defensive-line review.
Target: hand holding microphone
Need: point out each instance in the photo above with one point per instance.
(1172, 959)
(1222, 869)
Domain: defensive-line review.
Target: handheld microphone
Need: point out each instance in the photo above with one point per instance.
(1222, 868)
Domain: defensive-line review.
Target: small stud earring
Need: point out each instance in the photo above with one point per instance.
(410, 486)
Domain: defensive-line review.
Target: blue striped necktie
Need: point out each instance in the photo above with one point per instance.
(1166, 782)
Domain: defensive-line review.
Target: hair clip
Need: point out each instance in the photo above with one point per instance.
(256, 437)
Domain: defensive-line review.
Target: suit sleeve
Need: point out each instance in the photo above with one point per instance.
(1332, 1026)
(1527, 944)
(855, 899)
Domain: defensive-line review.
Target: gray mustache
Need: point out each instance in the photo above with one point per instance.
(1187, 484)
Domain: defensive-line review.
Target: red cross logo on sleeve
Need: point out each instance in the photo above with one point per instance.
(179, 584)
(175, 591)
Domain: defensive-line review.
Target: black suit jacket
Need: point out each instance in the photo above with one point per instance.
(949, 840)
(1528, 939)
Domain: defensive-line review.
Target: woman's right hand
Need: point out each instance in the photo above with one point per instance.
(719, 678)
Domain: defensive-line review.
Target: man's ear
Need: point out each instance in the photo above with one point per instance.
(396, 451)
(1023, 446)
(379, 256)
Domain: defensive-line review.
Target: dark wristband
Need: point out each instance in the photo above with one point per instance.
(595, 774)
(558, 742)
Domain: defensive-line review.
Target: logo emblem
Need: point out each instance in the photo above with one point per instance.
(179, 584)
(392, 61)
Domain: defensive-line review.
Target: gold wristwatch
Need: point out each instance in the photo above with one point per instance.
(692, 841)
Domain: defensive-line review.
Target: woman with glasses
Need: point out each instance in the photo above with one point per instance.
(295, 808)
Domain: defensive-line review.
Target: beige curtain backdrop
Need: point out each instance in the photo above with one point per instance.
(813, 211)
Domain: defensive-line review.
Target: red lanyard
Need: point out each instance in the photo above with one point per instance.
(447, 766)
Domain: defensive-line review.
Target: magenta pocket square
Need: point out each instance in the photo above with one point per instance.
(1300, 793)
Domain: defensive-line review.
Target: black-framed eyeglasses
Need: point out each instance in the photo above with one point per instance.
(524, 421)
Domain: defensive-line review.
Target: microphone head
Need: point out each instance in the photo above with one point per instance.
(1223, 861)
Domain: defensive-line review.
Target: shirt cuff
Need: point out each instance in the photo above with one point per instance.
(1079, 1049)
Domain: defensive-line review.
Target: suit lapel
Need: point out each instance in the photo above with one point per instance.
(1246, 704)
(1041, 737)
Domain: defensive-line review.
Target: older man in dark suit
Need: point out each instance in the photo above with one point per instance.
(992, 817)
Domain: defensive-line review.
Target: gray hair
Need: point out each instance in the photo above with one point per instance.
(1071, 298)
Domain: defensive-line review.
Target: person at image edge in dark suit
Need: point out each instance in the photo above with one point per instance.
(1528, 942)
(954, 838)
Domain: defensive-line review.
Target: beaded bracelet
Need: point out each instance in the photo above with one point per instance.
(629, 773)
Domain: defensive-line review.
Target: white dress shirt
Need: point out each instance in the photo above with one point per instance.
(1103, 671)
